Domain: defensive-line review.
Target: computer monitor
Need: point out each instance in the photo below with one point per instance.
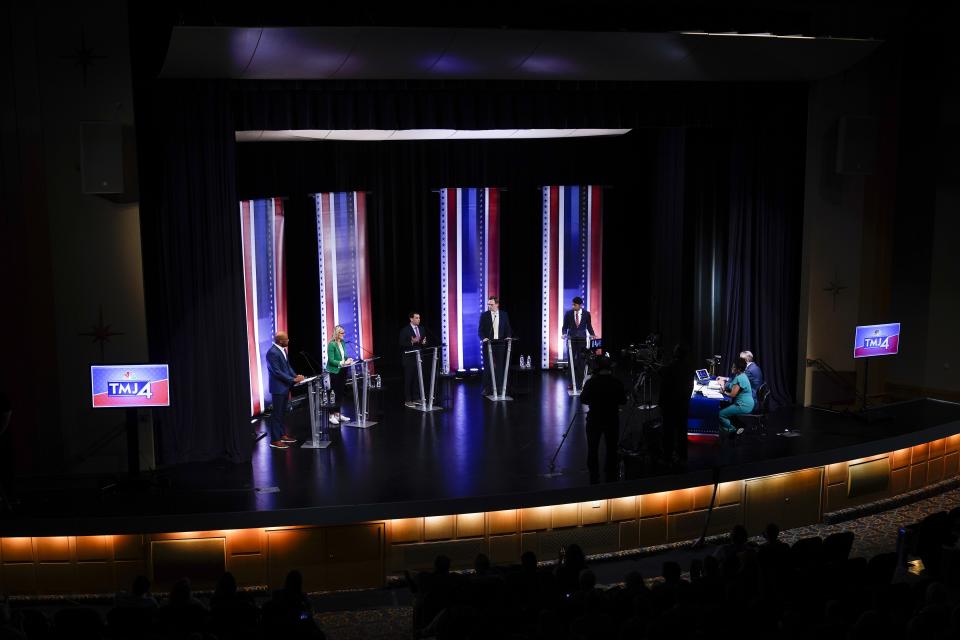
(703, 376)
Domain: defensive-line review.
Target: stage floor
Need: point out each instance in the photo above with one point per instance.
(476, 455)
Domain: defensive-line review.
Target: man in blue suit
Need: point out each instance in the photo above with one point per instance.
(753, 372)
(282, 377)
(577, 327)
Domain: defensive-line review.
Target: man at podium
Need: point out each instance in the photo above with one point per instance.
(577, 327)
(411, 338)
(495, 326)
(282, 377)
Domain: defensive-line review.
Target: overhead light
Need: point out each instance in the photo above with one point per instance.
(737, 34)
(386, 135)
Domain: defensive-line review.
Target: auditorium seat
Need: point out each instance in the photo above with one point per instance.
(34, 623)
(807, 553)
(78, 623)
(837, 546)
(880, 568)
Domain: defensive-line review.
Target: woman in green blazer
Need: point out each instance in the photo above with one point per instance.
(337, 359)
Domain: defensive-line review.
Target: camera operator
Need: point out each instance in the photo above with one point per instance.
(603, 393)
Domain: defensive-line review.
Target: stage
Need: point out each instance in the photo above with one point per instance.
(474, 456)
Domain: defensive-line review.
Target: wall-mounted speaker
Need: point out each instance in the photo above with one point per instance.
(857, 145)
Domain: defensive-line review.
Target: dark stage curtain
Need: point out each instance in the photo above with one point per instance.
(743, 213)
(761, 283)
(668, 311)
(193, 277)
(701, 235)
(403, 213)
(678, 202)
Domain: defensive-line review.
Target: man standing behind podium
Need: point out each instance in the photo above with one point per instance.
(577, 327)
(494, 325)
(282, 377)
(411, 339)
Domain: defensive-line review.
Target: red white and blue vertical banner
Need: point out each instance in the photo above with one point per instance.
(264, 286)
(572, 262)
(469, 270)
(344, 270)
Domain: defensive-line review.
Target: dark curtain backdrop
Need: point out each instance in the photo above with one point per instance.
(193, 277)
(403, 209)
(702, 208)
(743, 230)
(761, 276)
(702, 230)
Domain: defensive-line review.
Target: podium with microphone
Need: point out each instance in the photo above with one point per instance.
(360, 378)
(501, 394)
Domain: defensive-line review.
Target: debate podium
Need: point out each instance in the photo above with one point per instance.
(426, 400)
(501, 394)
(360, 370)
(319, 411)
(575, 382)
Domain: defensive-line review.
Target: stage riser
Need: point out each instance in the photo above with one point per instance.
(362, 554)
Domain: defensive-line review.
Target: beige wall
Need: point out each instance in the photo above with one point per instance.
(850, 238)
(833, 219)
(939, 361)
(94, 244)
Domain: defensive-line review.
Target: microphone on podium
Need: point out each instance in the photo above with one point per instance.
(306, 358)
(359, 347)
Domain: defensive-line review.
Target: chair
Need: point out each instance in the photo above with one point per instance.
(880, 568)
(837, 546)
(34, 623)
(756, 422)
(78, 623)
(807, 553)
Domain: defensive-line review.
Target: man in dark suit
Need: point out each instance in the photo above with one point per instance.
(577, 327)
(411, 339)
(494, 325)
(753, 373)
(282, 377)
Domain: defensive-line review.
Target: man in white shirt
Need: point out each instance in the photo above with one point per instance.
(495, 326)
(577, 327)
(411, 339)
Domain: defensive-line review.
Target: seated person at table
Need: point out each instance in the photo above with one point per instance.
(738, 390)
(753, 372)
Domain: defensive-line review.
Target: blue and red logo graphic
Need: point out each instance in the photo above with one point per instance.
(876, 340)
(130, 385)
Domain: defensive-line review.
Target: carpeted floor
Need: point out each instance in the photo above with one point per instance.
(384, 623)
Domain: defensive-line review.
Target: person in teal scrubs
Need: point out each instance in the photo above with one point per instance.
(738, 390)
